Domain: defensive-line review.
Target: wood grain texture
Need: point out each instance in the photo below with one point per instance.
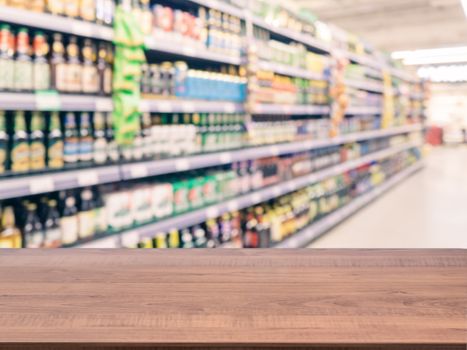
(372, 299)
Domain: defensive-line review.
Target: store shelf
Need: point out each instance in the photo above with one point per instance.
(304, 237)
(55, 181)
(364, 110)
(290, 71)
(241, 202)
(190, 106)
(364, 85)
(55, 23)
(290, 109)
(174, 165)
(44, 183)
(199, 53)
(32, 102)
(290, 34)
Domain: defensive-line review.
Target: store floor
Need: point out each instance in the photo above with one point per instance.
(427, 210)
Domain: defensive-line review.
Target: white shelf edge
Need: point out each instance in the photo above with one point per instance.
(315, 230)
(290, 70)
(190, 106)
(67, 103)
(199, 53)
(55, 23)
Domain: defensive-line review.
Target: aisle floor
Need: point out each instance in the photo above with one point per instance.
(427, 210)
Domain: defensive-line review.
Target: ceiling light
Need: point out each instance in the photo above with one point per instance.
(432, 56)
(464, 6)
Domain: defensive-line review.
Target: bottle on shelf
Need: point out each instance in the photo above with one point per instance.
(100, 212)
(55, 143)
(72, 8)
(58, 64)
(23, 69)
(20, 151)
(74, 67)
(85, 149)
(112, 147)
(33, 231)
(86, 214)
(104, 69)
(4, 142)
(90, 77)
(10, 235)
(7, 65)
(72, 142)
(37, 142)
(100, 142)
(69, 224)
(55, 7)
(87, 10)
(41, 68)
(51, 223)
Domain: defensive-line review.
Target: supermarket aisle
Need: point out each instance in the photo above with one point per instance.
(428, 210)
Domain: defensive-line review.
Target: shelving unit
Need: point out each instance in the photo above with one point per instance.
(48, 182)
(241, 202)
(26, 185)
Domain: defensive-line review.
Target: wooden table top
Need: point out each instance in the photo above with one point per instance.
(224, 298)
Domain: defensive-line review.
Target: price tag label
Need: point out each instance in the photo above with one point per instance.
(104, 105)
(229, 108)
(212, 213)
(81, 28)
(47, 101)
(188, 51)
(88, 178)
(258, 109)
(256, 198)
(286, 109)
(232, 206)
(41, 185)
(106, 33)
(274, 150)
(130, 239)
(164, 106)
(225, 158)
(276, 191)
(138, 171)
(182, 164)
(188, 107)
(144, 106)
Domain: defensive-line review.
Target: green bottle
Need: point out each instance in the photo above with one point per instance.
(55, 143)
(37, 142)
(3, 143)
(20, 148)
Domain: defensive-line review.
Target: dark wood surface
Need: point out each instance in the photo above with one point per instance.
(372, 299)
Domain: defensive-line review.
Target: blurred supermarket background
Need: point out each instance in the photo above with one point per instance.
(229, 124)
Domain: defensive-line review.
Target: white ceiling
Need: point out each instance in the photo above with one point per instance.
(396, 24)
